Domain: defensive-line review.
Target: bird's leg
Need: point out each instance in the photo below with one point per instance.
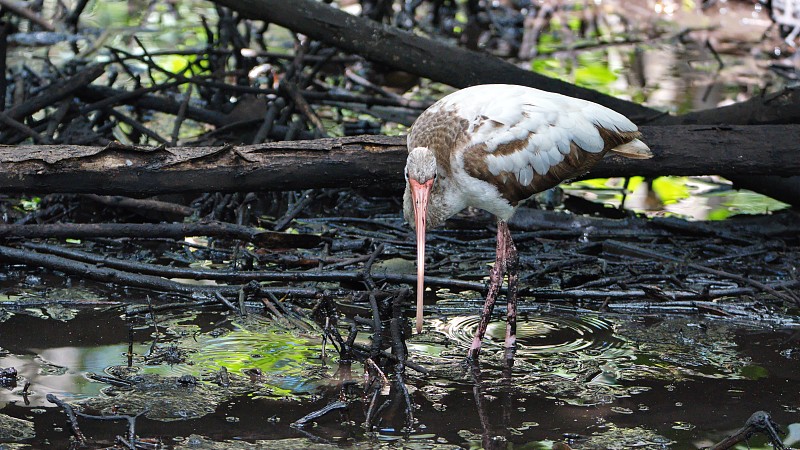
(495, 283)
(511, 263)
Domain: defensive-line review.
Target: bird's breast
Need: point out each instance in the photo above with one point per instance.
(479, 193)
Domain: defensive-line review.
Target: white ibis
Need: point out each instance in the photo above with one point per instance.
(493, 146)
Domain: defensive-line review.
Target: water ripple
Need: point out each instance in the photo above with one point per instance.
(537, 334)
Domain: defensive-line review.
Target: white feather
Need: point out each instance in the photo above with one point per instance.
(555, 156)
(548, 122)
(540, 163)
(562, 144)
(525, 175)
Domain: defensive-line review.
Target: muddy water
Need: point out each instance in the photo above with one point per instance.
(600, 381)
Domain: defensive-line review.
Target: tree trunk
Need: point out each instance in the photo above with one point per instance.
(361, 161)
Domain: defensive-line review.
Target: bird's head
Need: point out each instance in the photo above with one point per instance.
(420, 177)
(421, 164)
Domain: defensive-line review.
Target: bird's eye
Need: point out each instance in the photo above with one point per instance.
(405, 173)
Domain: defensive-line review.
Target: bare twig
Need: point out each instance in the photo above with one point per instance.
(57, 91)
(319, 413)
(172, 230)
(629, 248)
(20, 127)
(70, 412)
(176, 129)
(147, 205)
(20, 9)
(306, 198)
(130, 279)
(759, 422)
(301, 104)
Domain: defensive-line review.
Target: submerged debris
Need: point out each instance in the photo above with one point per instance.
(158, 398)
(199, 442)
(15, 430)
(612, 437)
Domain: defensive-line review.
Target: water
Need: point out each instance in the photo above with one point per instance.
(611, 378)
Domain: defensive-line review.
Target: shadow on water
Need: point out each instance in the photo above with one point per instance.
(597, 381)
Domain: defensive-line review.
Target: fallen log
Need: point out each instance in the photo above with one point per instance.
(360, 161)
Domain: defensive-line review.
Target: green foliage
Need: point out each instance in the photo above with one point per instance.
(108, 14)
(281, 356)
(547, 44)
(754, 372)
(591, 69)
(691, 197)
(574, 23)
(30, 204)
(671, 189)
(595, 75)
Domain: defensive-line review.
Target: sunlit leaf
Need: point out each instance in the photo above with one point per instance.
(671, 189)
(574, 23)
(719, 214)
(31, 204)
(748, 202)
(596, 75)
(175, 63)
(634, 182)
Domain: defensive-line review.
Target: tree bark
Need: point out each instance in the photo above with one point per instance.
(360, 161)
(777, 108)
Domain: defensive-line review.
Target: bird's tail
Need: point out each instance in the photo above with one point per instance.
(634, 149)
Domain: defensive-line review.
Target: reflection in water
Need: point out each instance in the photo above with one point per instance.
(279, 360)
(61, 371)
(695, 198)
(611, 351)
(567, 369)
(600, 367)
(280, 357)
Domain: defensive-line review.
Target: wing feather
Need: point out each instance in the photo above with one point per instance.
(503, 117)
(525, 175)
(518, 135)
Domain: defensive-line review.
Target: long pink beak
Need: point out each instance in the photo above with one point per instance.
(420, 193)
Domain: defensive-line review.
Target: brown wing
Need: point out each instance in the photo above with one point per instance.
(575, 163)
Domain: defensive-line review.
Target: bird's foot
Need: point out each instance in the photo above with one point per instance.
(508, 356)
(470, 362)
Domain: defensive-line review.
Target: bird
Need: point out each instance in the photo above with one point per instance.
(491, 147)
